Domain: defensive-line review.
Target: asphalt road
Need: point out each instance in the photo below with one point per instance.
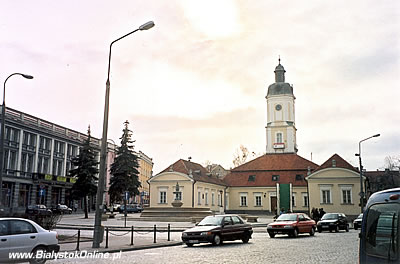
(324, 248)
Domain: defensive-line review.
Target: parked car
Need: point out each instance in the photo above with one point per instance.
(38, 209)
(333, 221)
(18, 235)
(116, 207)
(292, 224)
(357, 222)
(131, 208)
(216, 229)
(379, 237)
(62, 209)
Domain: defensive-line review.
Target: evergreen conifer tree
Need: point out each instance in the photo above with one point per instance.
(85, 173)
(124, 170)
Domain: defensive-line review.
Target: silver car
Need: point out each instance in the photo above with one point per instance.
(19, 235)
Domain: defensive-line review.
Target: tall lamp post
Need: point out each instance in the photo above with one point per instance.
(103, 153)
(362, 194)
(3, 121)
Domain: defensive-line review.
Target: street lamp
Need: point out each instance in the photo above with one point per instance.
(103, 159)
(3, 121)
(362, 194)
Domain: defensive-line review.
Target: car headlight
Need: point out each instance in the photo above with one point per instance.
(205, 233)
(288, 226)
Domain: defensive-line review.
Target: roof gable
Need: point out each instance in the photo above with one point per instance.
(194, 170)
(336, 162)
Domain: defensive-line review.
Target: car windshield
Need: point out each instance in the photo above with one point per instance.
(287, 217)
(360, 216)
(211, 221)
(330, 216)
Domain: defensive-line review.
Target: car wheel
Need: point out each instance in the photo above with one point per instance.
(189, 244)
(319, 230)
(246, 238)
(337, 228)
(35, 260)
(347, 228)
(271, 235)
(312, 232)
(355, 227)
(295, 233)
(330, 230)
(217, 240)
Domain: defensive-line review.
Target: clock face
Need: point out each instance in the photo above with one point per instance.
(278, 107)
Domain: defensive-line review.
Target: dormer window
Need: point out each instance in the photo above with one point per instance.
(252, 178)
(275, 177)
(299, 177)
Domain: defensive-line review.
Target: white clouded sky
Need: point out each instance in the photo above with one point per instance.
(195, 84)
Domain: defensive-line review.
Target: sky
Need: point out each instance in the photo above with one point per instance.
(195, 84)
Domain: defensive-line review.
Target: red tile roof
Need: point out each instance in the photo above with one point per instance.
(199, 172)
(287, 166)
(340, 163)
(277, 162)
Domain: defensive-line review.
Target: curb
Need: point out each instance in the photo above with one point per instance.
(172, 244)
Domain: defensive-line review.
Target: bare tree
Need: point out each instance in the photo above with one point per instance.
(240, 156)
(392, 162)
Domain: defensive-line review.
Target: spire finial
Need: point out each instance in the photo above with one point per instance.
(279, 59)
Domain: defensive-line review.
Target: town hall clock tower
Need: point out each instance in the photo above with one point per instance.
(281, 129)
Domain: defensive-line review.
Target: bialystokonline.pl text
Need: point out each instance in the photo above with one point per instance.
(64, 255)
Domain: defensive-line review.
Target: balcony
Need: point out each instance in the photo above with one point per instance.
(279, 145)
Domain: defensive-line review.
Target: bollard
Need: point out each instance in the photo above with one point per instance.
(169, 234)
(155, 232)
(79, 239)
(107, 237)
(132, 236)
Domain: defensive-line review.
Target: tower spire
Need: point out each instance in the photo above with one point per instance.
(279, 59)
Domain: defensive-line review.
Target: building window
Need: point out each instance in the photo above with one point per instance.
(293, 199)
(163, 196)
(26, 163)
(243, 199)
(10, 161)
(213, 199)
(258, 199)
(206, 198)
(23, 199)
(346, 194)
(279, 138)
(299, 177)
(275, 177)
(252, 178)
(198, 197)
(305, 199)
(326, 194)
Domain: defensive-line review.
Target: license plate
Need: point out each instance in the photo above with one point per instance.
(193, 241)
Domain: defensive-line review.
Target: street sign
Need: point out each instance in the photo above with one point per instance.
(42, 192)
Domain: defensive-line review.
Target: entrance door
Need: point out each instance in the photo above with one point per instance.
(273, 205)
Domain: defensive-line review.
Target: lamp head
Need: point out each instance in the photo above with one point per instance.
(27, 76)
(377, 135)
(147, 25)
